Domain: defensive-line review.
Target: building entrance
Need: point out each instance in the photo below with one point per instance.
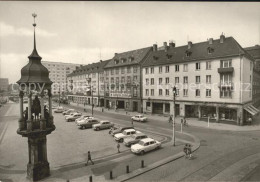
(158, 108)
(120, 104)
(191, 111)
(135, 106)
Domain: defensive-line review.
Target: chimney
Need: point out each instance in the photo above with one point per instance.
(165, 46)
(171, 44)
(189, 44)
(222, 38)
(211, 41)
(154, 47)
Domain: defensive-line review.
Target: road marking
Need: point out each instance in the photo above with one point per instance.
(3, 133)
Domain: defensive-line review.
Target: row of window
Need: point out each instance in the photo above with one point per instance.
(112, 80)
(123, 70)
(223, 92)
(177, 80)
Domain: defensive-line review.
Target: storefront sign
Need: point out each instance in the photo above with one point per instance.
(120, 95)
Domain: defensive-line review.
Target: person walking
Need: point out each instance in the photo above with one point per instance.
(170, 119)
(185, 150)
(189, 151)
(89, 159)
(132, 122)
(118, 147)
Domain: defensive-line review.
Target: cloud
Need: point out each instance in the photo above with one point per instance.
(9, 30)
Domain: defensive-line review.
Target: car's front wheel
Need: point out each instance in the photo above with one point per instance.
(142, 152)
(121, 140)
(97, 128)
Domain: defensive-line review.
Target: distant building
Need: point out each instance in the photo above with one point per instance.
(87, 82)
(123, 82)
(254, 51)
(58, 74)
(212, 79)
(4, 84)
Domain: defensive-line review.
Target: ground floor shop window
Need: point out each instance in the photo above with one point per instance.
(127, 105)
(227, 114)
(167, 107)
(207, 111)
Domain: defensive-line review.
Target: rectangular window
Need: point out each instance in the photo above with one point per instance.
(167, 92)
(160, 81)
(128, 79)
(117, 79)
(135, 69)
(152, 81)
(147, 92)
(197, 92)
(160, 69)
(112, 71)
(146, 70)
(225, 93)
(117, 71)
(122, 79)
(123, 70)
(185, 92)
(208, 92)
(225, 63)
(208, 65)
(185, 79)
(152, 92)
(167, 80)
(225, 78)
(167, 69)
(185, 67)
(147, 81)
(208, 78)
(177, 68)
(135, 78)
(197, 79)
(129, 69)
(197, 66)
(112, 80)
(177, 80)
(152, 70)
(160, 91)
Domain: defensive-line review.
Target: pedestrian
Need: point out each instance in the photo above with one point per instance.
(249, 120)
(184, 121)
(170, 119)
(111, 130)
(132, 122)
(118, 147)
(189, 151)
(185, 150)
(89, 159)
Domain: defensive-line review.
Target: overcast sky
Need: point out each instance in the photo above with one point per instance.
(77, 32)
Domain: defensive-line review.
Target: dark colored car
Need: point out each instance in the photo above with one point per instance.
(120, 129)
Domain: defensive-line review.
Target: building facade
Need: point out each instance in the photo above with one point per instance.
(86, 84)
(58, 74)
(255, 53)
(123, 80)
(212, 79)
(4, 84)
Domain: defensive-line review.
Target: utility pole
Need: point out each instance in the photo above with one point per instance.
(92, 99)
(59, 95)
(173, 117)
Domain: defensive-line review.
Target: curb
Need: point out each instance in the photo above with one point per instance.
(150, 167)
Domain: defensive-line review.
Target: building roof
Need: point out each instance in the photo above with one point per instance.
(254, 51)
(198, 51)
(90, 68)
(129, 58)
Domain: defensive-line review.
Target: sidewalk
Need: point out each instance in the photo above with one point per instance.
(191, 121)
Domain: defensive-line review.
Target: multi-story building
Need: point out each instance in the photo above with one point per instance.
(58, 74)
(4, 84)
(123, 80)
(255, 53)
(86, 84)
(212, 79)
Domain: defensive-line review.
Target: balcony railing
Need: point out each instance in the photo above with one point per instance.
(226, 70)
(226, 84)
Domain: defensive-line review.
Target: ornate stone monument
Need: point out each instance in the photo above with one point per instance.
(36, 121)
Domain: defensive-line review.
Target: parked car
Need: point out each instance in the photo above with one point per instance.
(71, 114)
(139, 117)
(120, 129)
(126, 133)
(67, 112)
(59, 110)
(83, 117)
(145, 145)
(103, 125)
(134, 139)
(73, 117)
(87, 123)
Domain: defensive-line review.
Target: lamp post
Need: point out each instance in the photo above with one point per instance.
(59, 96)
(173, 117)
(91, 92)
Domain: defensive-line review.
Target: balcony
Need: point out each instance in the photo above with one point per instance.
(226, 85)
(226, 70)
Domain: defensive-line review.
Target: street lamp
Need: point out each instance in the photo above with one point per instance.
(59, 95)
(91, 92)
(173, 117)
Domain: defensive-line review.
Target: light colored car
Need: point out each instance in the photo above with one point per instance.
(83, 117)
(134, 139)
(119, 129)
(145, 145)
(126, 133)
(105, 124)
(67, 112)
(87, 123)
(73, 117)
(59, 110)
(139, 117)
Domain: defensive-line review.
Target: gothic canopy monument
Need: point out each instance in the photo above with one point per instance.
(36, 120)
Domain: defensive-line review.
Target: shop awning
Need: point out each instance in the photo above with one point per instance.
(251, 109)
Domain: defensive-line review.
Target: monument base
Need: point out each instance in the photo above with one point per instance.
(38, 171)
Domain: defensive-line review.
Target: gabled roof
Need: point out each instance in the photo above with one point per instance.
(129, 58)
(198, 51)
(90, 68)
(254, 51)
